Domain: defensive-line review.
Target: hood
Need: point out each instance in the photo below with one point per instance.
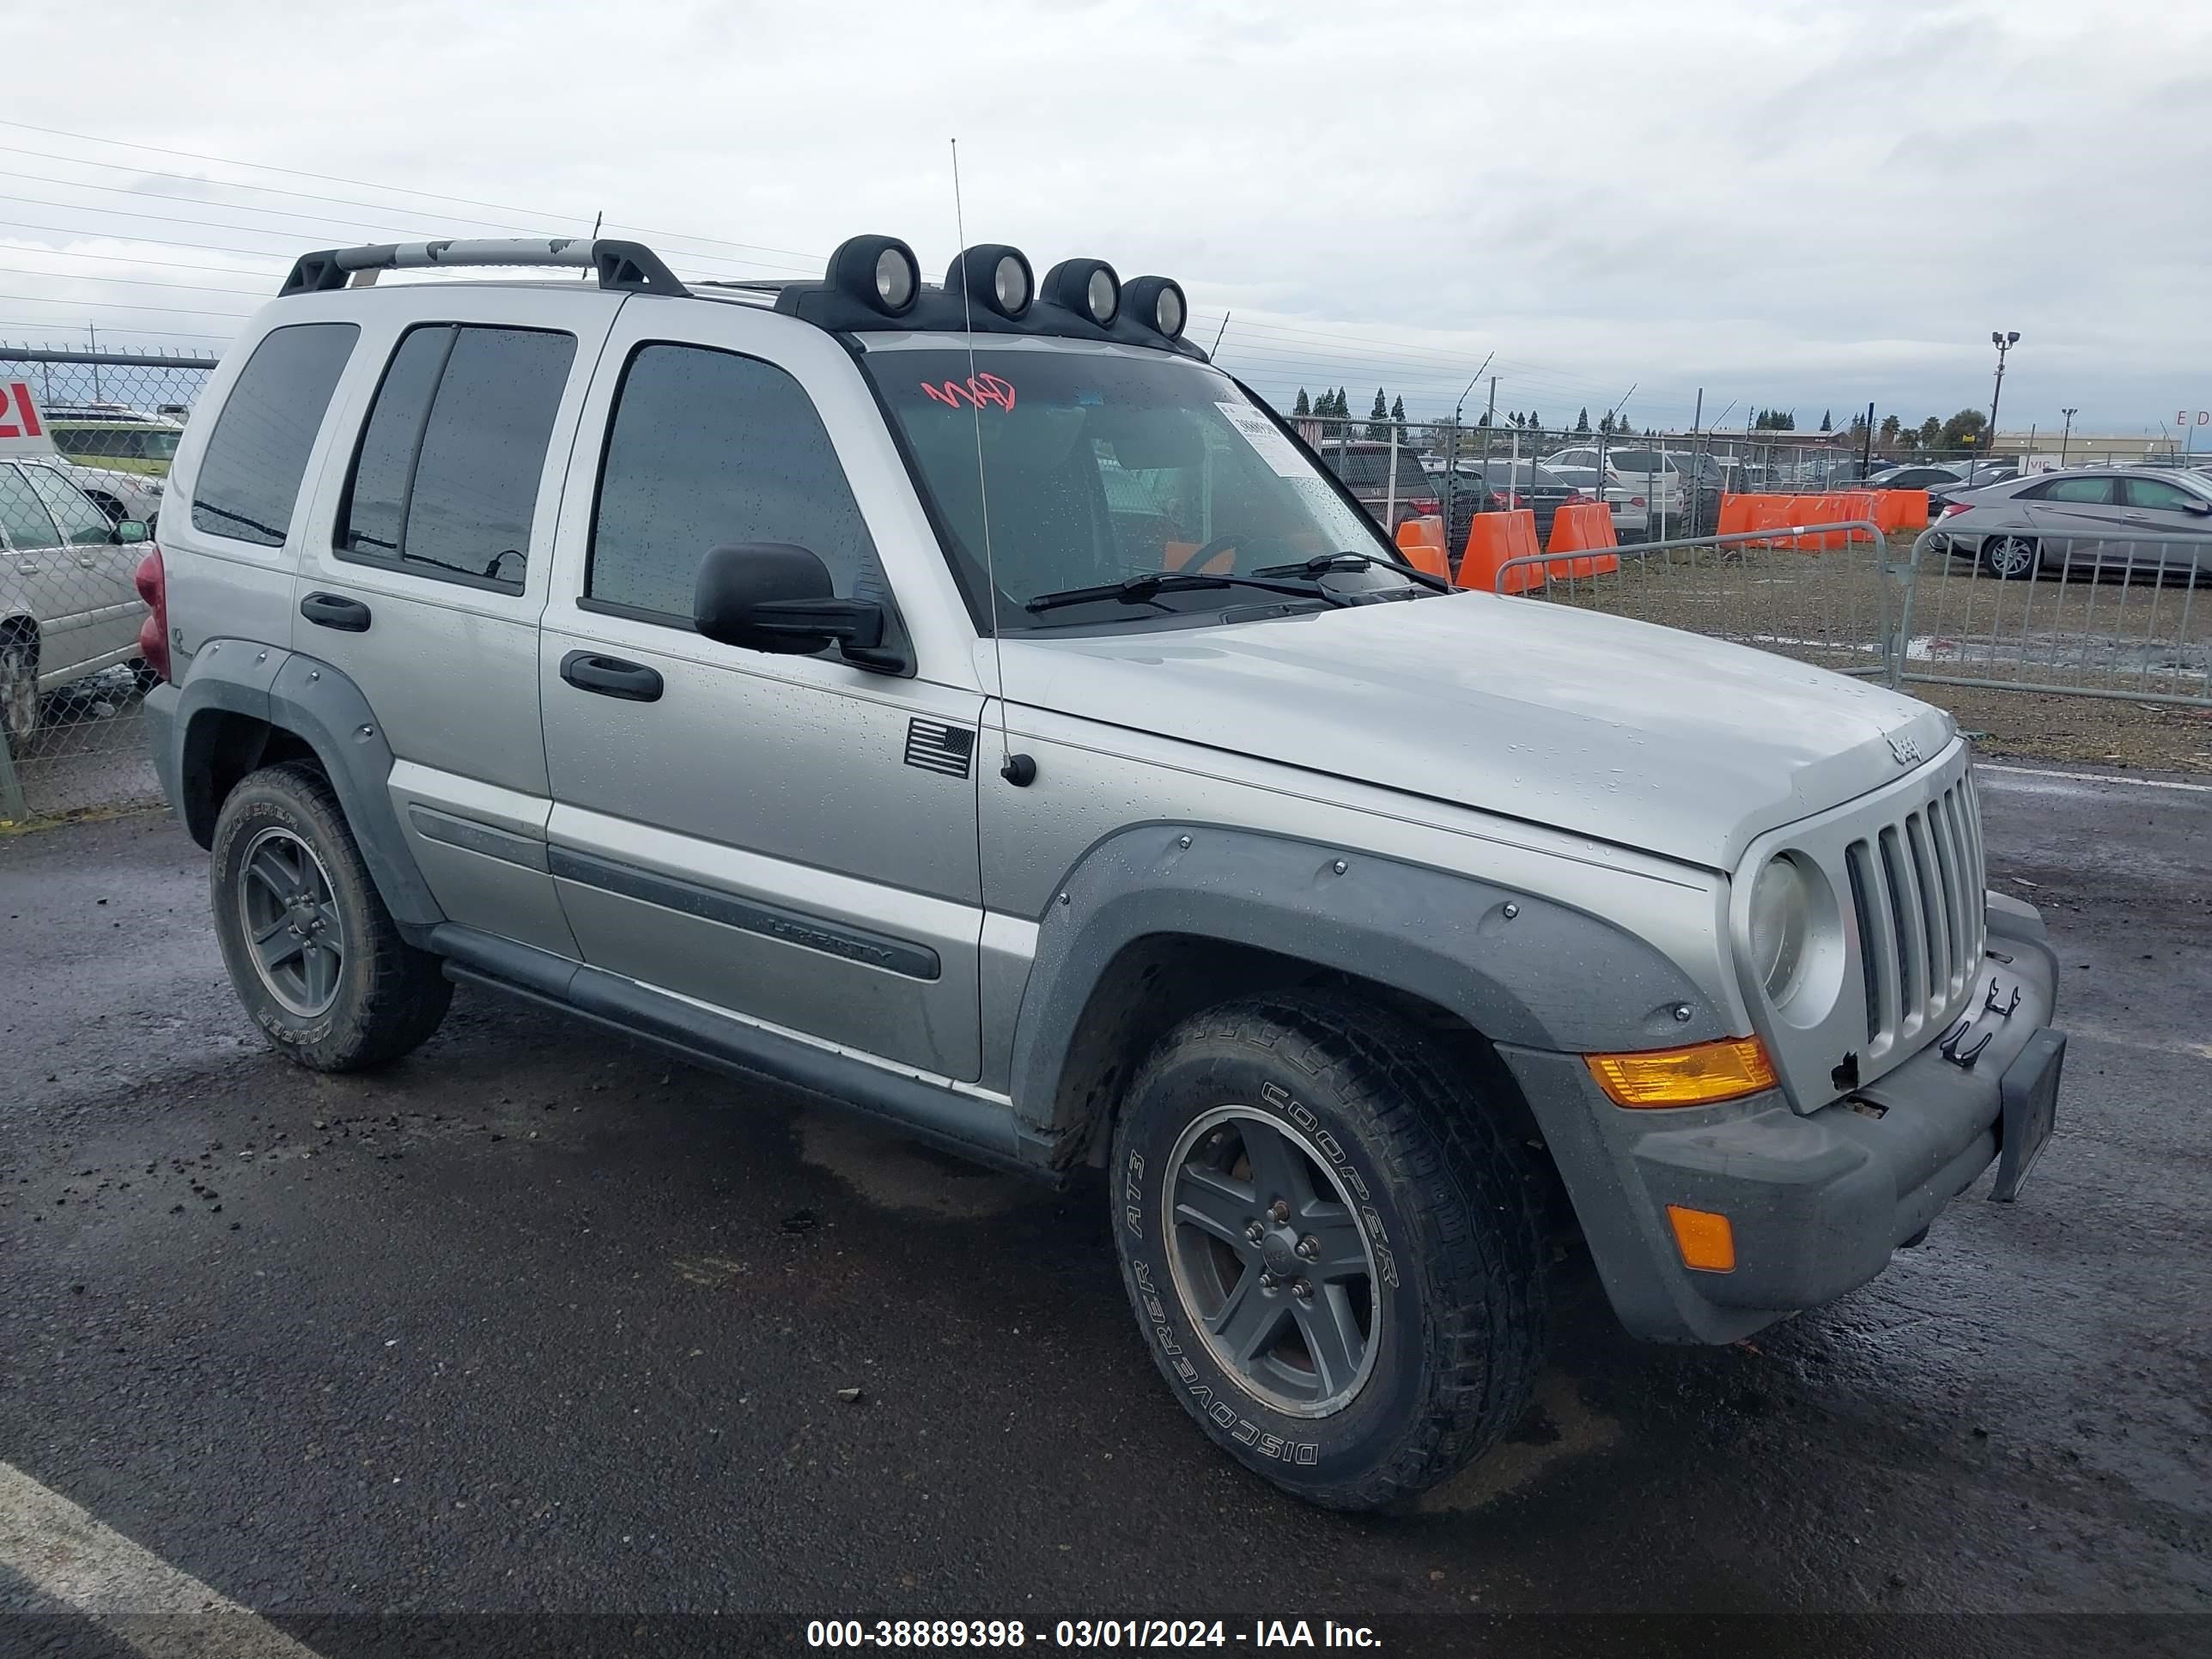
(1644, 736)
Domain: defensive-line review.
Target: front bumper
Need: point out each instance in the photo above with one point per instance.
(1817, 1200)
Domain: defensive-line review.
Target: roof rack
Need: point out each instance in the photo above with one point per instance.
(631, 266)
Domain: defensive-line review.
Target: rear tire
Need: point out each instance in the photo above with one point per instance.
(2009, 558)
(1386, 1324)
(313, 954)
(19, 690)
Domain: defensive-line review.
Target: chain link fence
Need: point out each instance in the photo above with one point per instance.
(86, 438)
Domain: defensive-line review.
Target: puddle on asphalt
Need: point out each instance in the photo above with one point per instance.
(1568, 1428)
(895, 1173)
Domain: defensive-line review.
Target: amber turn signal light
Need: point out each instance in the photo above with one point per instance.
(1696, 1076)
(1705, 1239)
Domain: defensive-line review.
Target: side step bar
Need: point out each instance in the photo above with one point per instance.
(982, 1130)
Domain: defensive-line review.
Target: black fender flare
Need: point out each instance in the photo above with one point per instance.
(324, 709)
(1521, 970)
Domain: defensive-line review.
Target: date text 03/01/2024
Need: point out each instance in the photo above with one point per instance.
(1086, 1633)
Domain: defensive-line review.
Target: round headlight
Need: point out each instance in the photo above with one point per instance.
(894, 280)
(1168, 312)
(1010, 283)
(1101, 297)
(1781, 907)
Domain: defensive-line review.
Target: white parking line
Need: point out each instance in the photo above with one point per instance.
(130, 1592)
(2094, 777)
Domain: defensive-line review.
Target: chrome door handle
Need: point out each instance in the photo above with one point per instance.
(85, 559)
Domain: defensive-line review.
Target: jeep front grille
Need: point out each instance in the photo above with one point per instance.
(1917, 890)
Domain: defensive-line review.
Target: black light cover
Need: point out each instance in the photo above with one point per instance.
(856, 269)
(1156, 302)
(1068, 285)
(977, 270)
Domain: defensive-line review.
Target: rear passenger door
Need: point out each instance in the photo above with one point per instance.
(2078, 520)
(425, 570)
(788, 839)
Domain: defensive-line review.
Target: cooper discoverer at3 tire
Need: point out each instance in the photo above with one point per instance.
(1331, 1246)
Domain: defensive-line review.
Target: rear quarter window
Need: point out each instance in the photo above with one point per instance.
(249, 478)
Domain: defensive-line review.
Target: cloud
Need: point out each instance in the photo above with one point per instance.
(1784, 203)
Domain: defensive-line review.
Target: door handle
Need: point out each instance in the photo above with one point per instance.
(611, 676)
(336, 610)
(85, 559)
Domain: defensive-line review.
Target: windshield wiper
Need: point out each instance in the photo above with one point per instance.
(1352, 559)
(1143, 590)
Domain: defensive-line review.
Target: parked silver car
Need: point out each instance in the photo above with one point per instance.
(965, 702)
(67, 605)
(2086, 521)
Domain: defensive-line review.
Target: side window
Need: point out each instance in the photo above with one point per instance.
(81, 524)
(249, 479)
(445, 483)
(2161, 496)
(707, 448)
(2091, 492)
(23, 520)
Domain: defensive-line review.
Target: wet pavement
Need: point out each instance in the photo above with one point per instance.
(535, 1342)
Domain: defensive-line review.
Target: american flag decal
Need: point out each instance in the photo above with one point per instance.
(936, 747)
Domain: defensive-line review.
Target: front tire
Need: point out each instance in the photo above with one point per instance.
(312, 953)
(1332, 1248)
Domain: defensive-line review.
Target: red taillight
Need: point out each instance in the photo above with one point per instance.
(1636, 501)
(153, 584)
(1949, 507)
(1425, 506)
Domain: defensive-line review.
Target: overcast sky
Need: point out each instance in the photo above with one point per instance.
(1803, 205)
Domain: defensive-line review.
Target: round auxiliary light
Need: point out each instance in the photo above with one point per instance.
(878, 272)
(1157, 302)
(894, 280)
(996, 278)
(1088, 287)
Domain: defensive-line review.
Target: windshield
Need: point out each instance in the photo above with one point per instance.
(1099, 467)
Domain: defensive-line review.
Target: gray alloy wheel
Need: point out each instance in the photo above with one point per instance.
(2008, 558)
(1269, 1256)
(19, 690)
(291, 923)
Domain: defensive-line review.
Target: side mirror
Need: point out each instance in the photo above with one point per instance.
(2198, 508)
(776, 597)
(128, 531)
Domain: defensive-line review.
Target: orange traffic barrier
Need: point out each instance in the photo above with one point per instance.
(1901, 509)
(1735, 514)
(1422, 541)
(1494, 540)
(1582, 526)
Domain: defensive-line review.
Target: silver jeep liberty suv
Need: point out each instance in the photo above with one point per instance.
(967, 703)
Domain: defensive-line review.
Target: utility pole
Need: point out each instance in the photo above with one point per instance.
(2065, 432)
(1866, 447)
(2004, 342)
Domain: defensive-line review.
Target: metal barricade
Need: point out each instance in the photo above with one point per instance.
(2110, 614)
(1826, 593)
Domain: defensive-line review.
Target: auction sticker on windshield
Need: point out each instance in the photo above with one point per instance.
(1271, 446)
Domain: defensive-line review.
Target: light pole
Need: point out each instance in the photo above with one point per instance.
(2065, 432)
(2004, 342)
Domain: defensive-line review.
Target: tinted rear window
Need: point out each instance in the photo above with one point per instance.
(249, 479)
(445, 483)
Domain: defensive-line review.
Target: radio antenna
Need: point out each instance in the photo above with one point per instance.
(1013, 773)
